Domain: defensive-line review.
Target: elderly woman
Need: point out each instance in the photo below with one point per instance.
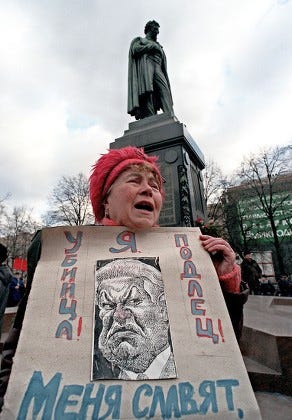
(126, 189)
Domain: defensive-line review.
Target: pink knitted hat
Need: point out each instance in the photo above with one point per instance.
(107, 169)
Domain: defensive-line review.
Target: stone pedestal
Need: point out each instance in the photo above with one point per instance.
(181, 162)
(266, 343)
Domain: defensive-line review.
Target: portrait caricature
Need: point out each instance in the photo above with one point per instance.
(131, 339)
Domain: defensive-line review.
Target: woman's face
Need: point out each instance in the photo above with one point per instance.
(134, 199)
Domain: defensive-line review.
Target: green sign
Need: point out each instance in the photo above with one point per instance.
(256, 223)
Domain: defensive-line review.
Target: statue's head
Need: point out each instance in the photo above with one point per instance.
(152, 24)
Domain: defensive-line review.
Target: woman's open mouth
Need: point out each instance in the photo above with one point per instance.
(144, 205)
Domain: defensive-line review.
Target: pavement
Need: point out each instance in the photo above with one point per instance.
(274, 406)
(269, 314)
(271, 317)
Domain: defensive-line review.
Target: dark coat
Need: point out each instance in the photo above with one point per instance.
(140, 79)
(15, 293)
(234, 303)
(5, 279)
(251, 272)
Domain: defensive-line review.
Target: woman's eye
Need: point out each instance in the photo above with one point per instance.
(134, 180)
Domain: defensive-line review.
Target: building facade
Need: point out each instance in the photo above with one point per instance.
(249, 225)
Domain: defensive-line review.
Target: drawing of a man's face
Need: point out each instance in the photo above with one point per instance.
(133, 311)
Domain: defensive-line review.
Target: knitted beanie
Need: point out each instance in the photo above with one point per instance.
(107, 169)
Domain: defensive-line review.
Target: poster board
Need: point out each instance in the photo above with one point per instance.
(51, 376)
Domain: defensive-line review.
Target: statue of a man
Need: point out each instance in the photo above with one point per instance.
(148, 83)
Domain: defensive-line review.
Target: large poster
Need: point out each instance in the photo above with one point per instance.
(123, 325)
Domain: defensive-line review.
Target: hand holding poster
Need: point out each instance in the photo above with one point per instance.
(122, 326)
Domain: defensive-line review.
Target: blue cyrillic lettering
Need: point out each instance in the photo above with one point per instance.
(41, 395)
(178, 237)
(137, 412)
(75, 241)
(207, 390)
(125, 238)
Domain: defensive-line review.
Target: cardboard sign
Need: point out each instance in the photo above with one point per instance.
(123, 325)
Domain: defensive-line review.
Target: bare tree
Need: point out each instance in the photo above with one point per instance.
(214, 186)
(3, 213)
(262, 174)
(18, 230)
(70, 202)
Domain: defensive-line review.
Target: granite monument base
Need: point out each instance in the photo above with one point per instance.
(266, 343)
(181, 162)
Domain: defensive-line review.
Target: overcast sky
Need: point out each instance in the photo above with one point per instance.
(63, 78)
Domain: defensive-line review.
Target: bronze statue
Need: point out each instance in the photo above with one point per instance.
(148, 83)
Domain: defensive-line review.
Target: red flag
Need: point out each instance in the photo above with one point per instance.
(20, 264)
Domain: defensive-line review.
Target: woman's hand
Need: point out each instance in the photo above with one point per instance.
(222, 254)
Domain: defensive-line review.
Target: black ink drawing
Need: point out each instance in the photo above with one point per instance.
(131, 335)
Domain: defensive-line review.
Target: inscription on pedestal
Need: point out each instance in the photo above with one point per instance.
(167, 215)
(185, 196)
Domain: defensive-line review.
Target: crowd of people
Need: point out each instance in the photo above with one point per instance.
(12, 287)
(5, 280)
(262, 284)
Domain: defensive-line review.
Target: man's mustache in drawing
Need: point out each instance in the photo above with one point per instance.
(128, 328)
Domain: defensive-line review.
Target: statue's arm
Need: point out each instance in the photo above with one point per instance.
(142, 46)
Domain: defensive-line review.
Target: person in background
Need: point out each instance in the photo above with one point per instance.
(126, 189)
(266, 286)
(16, 290)
(251, 272)
(285, 285)
(5, 280)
